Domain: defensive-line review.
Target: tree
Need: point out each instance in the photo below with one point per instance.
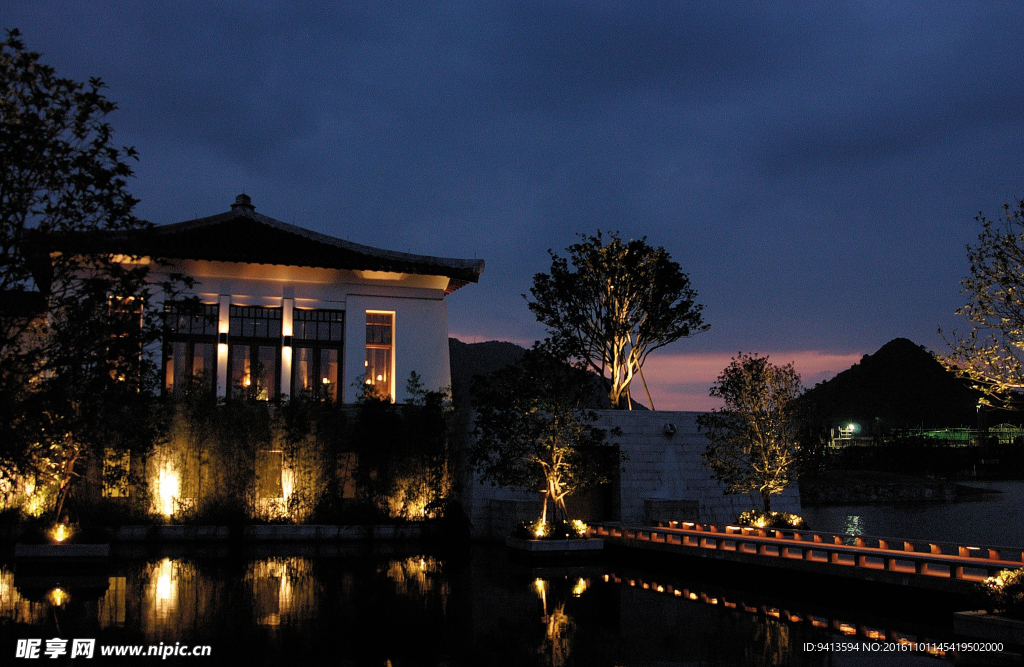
(533, 431)
(991, 354)
(75, 325)
(752, 441)
(619, 301)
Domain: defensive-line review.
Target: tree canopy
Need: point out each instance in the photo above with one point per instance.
(991, 353)
(534, 431)
(75, 327)
(752, 441)
(608, 305)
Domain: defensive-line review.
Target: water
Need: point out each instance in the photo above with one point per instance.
(991, 519)
(350, 606)
(345, 606)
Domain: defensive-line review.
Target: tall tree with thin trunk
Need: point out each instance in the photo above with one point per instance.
(752, 441)
(611, 303)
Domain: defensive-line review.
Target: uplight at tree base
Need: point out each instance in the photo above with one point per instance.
(60, 533)
(59, 597)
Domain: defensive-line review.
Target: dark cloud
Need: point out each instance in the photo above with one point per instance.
(814, 169)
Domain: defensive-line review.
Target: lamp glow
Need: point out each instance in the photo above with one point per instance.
(60, 533)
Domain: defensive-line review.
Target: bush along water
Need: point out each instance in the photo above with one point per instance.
(550, 530)
(1004, 593)
(778, 520)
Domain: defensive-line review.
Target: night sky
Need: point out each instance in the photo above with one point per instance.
(816, 170)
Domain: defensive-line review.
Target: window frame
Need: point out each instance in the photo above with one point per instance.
(320, 316)
(236, 338)
(389, 346)
(171, 335)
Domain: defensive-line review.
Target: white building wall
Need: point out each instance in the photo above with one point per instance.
(420, 336)
(419, 340)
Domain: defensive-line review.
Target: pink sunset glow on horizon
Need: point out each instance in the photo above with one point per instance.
(680, 381)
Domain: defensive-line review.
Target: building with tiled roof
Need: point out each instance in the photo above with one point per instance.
(278, 310)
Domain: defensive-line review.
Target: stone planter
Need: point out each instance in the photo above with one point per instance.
(555, 547)
(983, 625)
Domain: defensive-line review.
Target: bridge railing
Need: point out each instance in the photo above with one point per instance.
(922, 557)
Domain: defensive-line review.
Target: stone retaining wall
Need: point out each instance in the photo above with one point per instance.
(663, 475)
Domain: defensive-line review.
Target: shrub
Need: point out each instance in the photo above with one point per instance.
(550, 530)
(1004, 592)
(779, 520)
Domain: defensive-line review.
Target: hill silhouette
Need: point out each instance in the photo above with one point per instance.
(900, 386)
(469, 359)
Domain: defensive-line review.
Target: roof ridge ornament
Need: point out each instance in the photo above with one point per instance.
(242, 204)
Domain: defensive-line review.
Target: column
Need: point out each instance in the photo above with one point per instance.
(286, 346)
(223, 321)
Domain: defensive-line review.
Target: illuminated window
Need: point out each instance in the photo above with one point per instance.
(379, 348)
(269, 469)
(116, 466)
(317, 351)
(190, 344)
(255, 351)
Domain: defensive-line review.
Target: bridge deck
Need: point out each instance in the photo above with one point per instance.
(934, 565)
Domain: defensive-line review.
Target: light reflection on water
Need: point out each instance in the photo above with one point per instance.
(14, 607)
(283, 590)
(988, 519)
(422, 609)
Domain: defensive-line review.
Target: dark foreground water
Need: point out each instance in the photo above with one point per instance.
(331, 605)
(283, 606)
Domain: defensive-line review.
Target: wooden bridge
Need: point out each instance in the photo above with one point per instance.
(920, 563)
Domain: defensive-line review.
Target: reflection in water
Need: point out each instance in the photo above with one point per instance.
(772, 637)
(559, 626)
(419, 577)
(282, 590)
(771, 644)
(14, 607)
(169, 583)
(111, 610)
(420, 610)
